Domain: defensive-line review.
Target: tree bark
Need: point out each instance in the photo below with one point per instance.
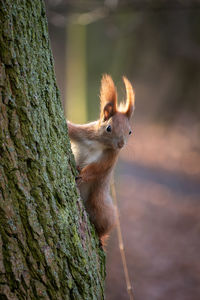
(48, 249)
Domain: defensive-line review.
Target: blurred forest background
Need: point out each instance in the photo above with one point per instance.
(156, 44)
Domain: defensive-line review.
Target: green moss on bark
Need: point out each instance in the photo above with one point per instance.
(48, 248)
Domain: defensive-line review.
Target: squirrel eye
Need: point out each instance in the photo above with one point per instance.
(108, 128)
(130, 132)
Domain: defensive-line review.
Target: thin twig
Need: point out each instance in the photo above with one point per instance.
(121, 244)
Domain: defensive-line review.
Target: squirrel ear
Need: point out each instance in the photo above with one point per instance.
(130, 98)
(107, 112)
(108, 97)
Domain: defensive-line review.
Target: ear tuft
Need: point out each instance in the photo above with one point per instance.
(130, 98)
(108, 97)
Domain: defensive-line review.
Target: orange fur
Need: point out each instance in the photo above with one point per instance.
(96, 150)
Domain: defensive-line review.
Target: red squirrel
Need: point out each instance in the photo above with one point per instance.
(96, 147)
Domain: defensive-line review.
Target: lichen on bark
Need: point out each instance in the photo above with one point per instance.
(48, 248)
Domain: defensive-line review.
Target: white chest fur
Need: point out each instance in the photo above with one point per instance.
(87, 152)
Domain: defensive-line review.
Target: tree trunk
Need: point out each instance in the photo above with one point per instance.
(48, 249)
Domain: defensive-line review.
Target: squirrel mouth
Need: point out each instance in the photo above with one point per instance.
(120, 144)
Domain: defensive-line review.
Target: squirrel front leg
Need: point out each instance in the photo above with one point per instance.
(97, 170)
(89, 173)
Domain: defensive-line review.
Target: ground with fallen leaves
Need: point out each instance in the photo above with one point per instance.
(158, 191)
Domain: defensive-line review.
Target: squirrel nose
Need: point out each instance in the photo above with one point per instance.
(120, 144)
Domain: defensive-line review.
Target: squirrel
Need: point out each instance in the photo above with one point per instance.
(96, 147)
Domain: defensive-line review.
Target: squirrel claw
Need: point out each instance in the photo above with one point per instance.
(78, 180)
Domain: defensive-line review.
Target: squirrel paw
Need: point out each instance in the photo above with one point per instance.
(78, 180)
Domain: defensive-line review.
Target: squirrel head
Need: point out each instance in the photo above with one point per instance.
(114, 123)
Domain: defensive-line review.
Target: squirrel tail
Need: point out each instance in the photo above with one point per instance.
(103, 241)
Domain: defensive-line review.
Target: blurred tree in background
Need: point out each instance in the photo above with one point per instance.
(155, 43)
